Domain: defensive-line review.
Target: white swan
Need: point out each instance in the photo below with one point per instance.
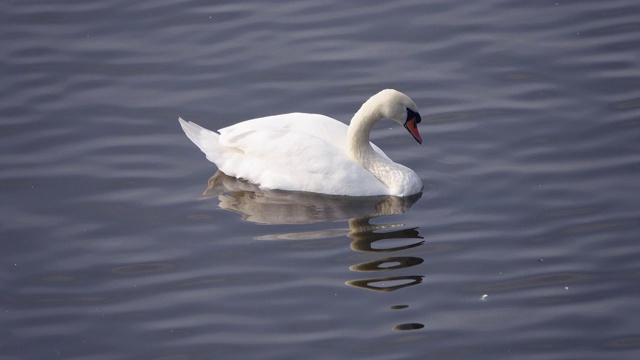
(315, 153)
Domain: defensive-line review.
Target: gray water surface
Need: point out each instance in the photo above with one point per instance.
(523, 245)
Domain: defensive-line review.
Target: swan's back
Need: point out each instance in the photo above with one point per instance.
(330, 130)
(297, 151)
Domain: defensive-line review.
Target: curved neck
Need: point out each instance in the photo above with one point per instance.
(359, 132)
(360, 148)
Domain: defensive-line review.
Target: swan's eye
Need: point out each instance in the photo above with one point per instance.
(412, 114)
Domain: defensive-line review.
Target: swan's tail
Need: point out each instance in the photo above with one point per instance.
(206, 140)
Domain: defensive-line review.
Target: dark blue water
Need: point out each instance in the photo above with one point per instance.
(523, 245)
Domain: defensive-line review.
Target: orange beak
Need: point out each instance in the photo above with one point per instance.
(413, 129)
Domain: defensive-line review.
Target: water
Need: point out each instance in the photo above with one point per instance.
(523, 244)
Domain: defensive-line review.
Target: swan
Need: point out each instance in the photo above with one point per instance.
(315, 153)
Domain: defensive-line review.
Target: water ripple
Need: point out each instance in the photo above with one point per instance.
(522, 245)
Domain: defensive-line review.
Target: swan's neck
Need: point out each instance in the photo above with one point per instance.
(359, 131)
(360, 148)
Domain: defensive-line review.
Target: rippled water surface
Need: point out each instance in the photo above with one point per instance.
(523, 245)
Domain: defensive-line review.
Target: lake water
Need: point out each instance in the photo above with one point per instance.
(525, 243)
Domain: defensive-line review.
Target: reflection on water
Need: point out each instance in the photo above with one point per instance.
(285, 207)
(389, 263)
(288, 207)
(386, 284)
(409, 326)
(364, 236)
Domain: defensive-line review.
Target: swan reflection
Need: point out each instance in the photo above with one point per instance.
(266, 206)
(284, 207)
(364, 236)
(386, 284)
(389, 263)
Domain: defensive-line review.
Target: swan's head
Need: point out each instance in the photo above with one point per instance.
(399, 107)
